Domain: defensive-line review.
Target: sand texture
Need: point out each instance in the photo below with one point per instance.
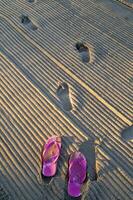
(128, 3)
(66, 68)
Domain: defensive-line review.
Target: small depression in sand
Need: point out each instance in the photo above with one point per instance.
(26, 21)
(127, 133)
(32, 1)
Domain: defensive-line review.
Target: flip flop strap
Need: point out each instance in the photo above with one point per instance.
(53, 157)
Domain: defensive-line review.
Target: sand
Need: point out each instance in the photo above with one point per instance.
(47, 89)
(128, 3)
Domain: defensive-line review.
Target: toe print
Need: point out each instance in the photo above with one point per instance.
(28, 23)
(31, 1)
(25, 20)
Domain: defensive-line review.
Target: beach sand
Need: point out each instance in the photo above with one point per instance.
(66, 69)
(127, 2)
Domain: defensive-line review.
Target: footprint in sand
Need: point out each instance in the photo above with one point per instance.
(83, 51)
(28, 23)
(64, 96)
(127, 134)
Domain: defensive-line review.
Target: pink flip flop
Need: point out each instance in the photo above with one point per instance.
(50, 155)
(77, 173)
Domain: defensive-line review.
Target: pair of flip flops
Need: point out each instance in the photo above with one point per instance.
(77, 165)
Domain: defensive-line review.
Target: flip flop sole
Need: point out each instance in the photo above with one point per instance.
(49, 160)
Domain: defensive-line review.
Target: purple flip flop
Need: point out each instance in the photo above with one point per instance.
(50, 155)
(77, 173)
